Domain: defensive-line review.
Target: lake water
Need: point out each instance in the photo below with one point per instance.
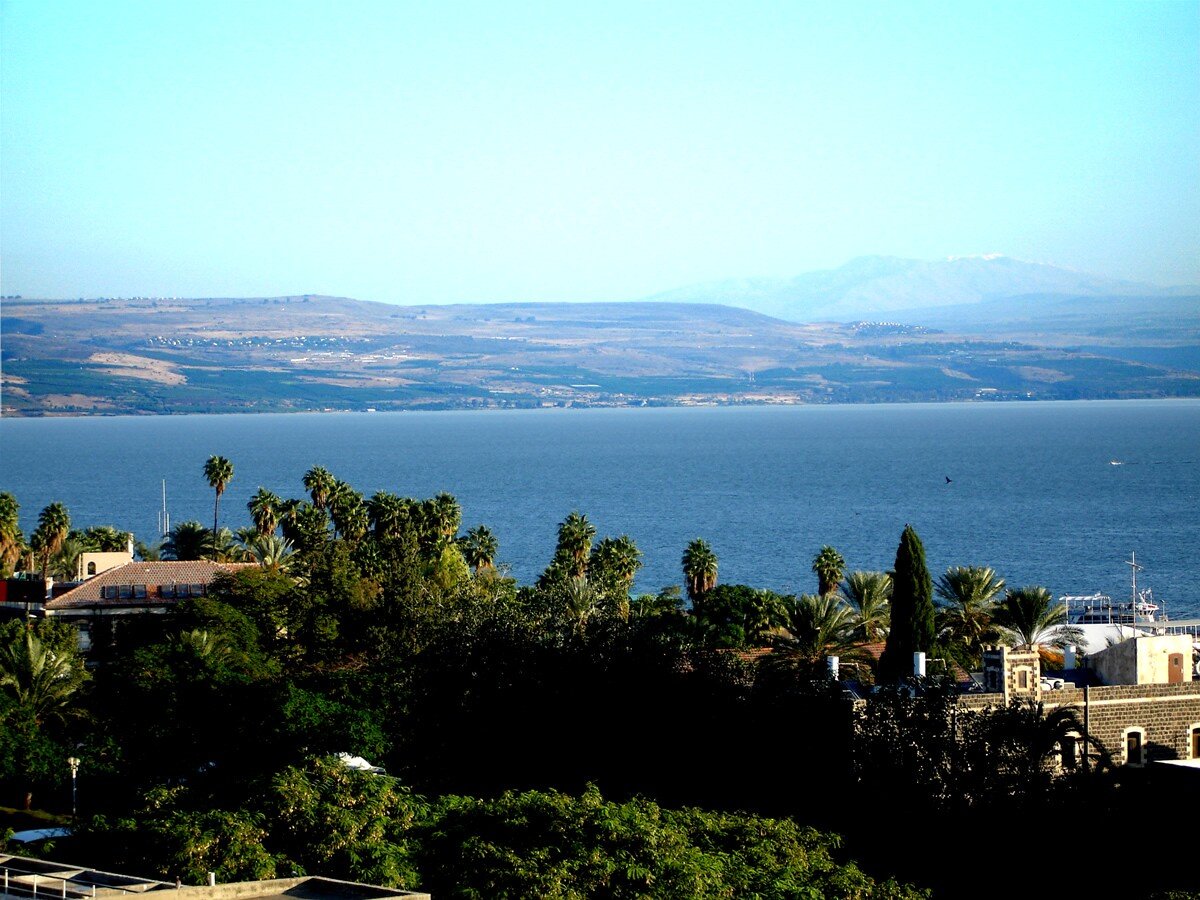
(1033, 492)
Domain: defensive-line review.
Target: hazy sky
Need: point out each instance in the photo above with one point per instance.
(437, 152)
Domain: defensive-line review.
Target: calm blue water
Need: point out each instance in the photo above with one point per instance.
(1033, 493)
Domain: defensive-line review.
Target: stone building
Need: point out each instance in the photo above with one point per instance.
(1157, 719)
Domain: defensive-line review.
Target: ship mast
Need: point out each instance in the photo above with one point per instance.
(164, 517)
(1134, 568)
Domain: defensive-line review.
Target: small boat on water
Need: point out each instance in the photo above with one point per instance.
(1115, 462)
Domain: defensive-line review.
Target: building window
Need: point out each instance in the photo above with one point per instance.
(1194, 743)
(1068, 751)
(91, 568)
(1135, 739)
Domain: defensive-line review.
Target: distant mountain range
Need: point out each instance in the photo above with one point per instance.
(874, 286)
(172, 355)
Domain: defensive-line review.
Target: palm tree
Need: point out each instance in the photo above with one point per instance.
(387, 514)
(12, 542)
(105, 539)
(618, 557)
(38, 679)
(264, 510)
(447, 515)
(815, 628)
(1030, 616)
(65, 563)
(869, 593)
(575, 534)
(320, 484)
(54, 524)
(219, 472)
(967, 615)
(699, 569)
(479, 548)
(829, 568)
(348, 512)
(187, 541)
(271, 552)
(581, 600)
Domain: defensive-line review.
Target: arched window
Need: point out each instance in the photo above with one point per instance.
(91, 568)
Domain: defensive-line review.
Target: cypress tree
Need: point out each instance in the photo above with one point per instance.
(912, 609)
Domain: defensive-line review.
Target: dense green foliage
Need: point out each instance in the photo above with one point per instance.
(505, 714)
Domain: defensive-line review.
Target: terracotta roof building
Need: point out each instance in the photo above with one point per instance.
(136, 588)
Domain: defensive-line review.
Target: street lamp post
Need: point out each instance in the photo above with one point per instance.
(73, 762)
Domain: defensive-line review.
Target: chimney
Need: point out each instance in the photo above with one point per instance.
(129, 545)
(919, 664)
(831, 663)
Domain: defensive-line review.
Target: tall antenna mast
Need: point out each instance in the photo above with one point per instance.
(1134, 568)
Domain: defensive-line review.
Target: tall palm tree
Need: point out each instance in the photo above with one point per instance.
(105, 539)
(869, 593)
(349, 512)
(264, 510)
(699, 569)
(447, 515)
(387, 514)
(219, 472)
(618, 557)
(187, 541)
(479, 548)
(969, 609)
(1030, 616)
(12, 542)
(829, 568)
(54, 524)
(575, 534)
(815, 628)
(320, 484)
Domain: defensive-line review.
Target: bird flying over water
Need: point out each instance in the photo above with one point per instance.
(948, 480)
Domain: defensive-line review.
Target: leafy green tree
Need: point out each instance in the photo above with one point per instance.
(736, 616)
(553, 845)
(829, 568)
(870, 594)
(1030, 616)
(699, 569)
(218, 471)
(344, 823)
(264, 511)
(912, 623)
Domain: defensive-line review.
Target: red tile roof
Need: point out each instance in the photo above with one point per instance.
(151, 575)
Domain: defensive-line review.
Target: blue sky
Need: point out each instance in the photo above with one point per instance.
(445, 152)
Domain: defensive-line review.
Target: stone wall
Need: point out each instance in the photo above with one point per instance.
(1166, 714)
